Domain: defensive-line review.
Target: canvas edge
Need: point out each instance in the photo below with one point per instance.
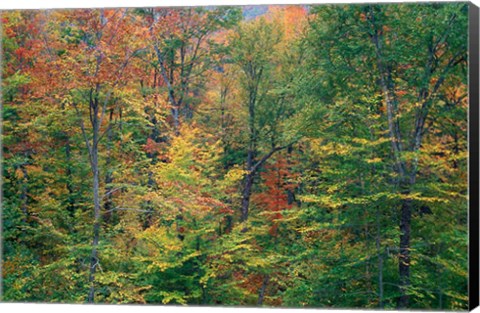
(1, 157)
(474, 233)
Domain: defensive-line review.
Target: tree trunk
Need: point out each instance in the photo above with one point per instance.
(93, 152)
(380, 261)
(387, 85)
(407, 172)
(108, 204)
(176, 121)
(247, 191)
(261, 294)
(404, 256)
(96, 223)
(71, 199)
(250, 177)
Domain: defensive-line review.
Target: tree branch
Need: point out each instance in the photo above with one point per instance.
(268, 155)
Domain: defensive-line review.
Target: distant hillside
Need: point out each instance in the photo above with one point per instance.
(252, 11)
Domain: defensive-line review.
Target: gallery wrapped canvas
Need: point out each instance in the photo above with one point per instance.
(301, 156)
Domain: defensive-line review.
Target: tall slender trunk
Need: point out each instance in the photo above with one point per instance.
(95, 120)
(108, 203)
(261, 294)
(255, 77)
(224, 125)
(387, 86)
(68, 157)
(176, 121)
(380, 260)
(96, 224)
(404, 259)
(404, 256)
(152, 155)
(250, 177)
(366, 232)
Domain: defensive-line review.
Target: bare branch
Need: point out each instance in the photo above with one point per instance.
(111, 191)
(84, 133)
(129, 209)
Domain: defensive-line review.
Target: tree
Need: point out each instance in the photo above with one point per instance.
(253, 46)
(410, 83)
(91, 57)
(181, 40)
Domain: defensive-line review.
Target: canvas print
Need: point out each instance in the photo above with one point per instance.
(302, 156)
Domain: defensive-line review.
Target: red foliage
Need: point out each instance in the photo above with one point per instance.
(151, 146)
(278, 180)
(20, 52)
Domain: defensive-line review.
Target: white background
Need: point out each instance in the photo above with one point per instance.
(63, 308)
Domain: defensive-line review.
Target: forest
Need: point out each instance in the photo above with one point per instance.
(279, 156)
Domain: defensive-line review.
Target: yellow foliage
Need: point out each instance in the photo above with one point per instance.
(374, 160)
(235, 174)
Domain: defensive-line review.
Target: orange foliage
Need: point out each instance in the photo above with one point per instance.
(291, 18)
(278, 182)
